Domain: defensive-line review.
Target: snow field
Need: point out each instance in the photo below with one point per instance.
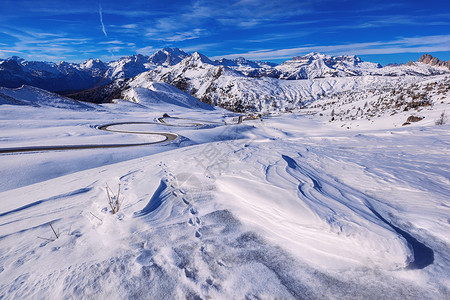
(292, 206)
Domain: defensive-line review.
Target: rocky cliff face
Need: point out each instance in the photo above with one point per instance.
(433, 61)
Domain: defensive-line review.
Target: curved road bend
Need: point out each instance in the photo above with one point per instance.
(168, 137)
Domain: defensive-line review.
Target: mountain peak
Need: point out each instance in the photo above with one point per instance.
(16, 58)
(433, 61)
(200, 58)
(173, 50)
(93, 64)
(168, 56)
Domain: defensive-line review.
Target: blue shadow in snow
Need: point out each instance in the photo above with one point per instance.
(423, 255)
(155, 201)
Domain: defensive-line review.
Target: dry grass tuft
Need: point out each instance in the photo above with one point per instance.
(113, 199)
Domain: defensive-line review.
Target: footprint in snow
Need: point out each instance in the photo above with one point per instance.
(194, 221)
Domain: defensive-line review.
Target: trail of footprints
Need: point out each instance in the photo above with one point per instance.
(194, 220)
(177, 190)
(186, 197)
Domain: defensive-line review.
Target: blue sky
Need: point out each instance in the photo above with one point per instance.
(379, 31)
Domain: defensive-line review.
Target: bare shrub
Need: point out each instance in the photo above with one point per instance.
(442, 119)
(113, 199)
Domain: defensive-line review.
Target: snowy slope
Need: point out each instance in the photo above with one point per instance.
(406, 104)
(151, 94)
(290, 207)
(27, 95)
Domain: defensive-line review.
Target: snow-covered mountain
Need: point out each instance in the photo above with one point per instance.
(224, 82)
(317, 65)
(238, 85)
(250, 68)
(14, 72)
(167, 57)
(433, 61)
(63, 76)
(127, 67)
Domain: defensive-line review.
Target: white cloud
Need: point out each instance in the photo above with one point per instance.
(175, 37)
(101, 19)
(200, 47)
(41, 45)
(7, 53)
(115, 42)
(146, 50)
(129, 26)
(402, 45)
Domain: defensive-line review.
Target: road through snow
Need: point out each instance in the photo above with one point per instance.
(168, 137)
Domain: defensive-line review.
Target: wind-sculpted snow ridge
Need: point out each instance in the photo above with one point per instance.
(316, 192)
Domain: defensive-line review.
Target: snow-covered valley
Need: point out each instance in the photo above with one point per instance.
(287, 206)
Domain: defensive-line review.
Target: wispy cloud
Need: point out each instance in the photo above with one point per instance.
(420, 44)
(146, 50)
(178, 36)
(4, 53)
(115, 42)
(129, 26)
(41, 45)
(101, 19)
(201, 47)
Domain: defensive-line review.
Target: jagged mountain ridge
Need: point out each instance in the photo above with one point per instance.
(217, 84)
(220, 85)
(239, 84)
(433, 61)
(317, 65)
(63, 76)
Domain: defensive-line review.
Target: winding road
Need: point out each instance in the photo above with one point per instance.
(168, 137)
(161, 121)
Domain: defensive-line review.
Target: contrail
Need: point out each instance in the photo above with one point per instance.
(101, 19)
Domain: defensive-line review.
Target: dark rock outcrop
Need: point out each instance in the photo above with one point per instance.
(433, 61)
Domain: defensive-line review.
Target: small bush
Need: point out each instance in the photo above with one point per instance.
(442, 119)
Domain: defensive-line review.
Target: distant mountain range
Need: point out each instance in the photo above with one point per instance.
(237, 84)
(68, 78)
(242, 85)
